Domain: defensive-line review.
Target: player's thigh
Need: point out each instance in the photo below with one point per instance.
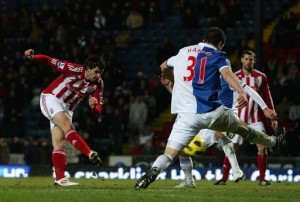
(57, 113)
(63, 121)
(184, 130)
(208, 136)
(50, 105)
(227, 121)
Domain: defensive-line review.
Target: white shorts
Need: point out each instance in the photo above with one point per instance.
(237, 139)
(186, 126)
(208, 136)
(51, 105)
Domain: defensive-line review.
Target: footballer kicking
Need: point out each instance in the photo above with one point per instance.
(206, 138)
(195, 72)
(60, 98)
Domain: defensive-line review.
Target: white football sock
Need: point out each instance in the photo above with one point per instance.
(230, 153)
(186, 165)
(162, 162)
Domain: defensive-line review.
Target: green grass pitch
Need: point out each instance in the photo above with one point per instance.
(41, 189)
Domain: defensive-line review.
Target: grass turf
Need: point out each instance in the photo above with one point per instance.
(41, 189)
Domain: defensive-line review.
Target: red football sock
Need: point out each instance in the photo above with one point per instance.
(262, 161)
(226, 168)
(59, 161)
(76, 140)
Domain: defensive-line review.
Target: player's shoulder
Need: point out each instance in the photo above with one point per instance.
(221, 53)
(258, 73)
(190, 48)
(238, 72)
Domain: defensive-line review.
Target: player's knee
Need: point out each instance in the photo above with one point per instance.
(250, 135)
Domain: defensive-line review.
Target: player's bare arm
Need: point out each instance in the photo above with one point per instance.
(167, 83)
(167, 72)
(234, 82)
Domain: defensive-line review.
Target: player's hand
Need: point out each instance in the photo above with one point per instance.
(269, 113)
(242, 100)
(164, 80)
(274, 124)
(93, 102)
(29, 53)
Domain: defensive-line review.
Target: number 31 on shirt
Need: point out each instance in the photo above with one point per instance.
(191, 69)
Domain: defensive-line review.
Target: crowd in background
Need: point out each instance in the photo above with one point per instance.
(76, 29)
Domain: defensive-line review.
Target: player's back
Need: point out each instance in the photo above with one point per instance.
(197, 78)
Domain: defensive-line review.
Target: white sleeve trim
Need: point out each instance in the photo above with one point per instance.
(255, 96)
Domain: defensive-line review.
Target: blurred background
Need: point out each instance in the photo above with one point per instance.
(135, 37)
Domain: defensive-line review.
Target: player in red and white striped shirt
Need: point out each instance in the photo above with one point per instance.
(60, 98)
(252, 113)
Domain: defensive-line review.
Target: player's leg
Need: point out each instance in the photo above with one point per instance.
(229, 122)
(59, 158)
(262, 163)
(186, 165)
(204, 139)
(230, 160)
(182, 133)
(64, 122)
(160, 164)
(262, 155)
(53, 109)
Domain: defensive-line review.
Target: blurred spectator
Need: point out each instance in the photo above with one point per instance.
(147, 134)
(134, 20)
(4, 151)
(16, 145)
(164, 50)
(2, 119)
(294, 112)
(99, 20)
(140, 84)
(117, 132)
(15, 122)
(283, 107)
(123, 40)
(32, 151)
(46, 152)
(137, 117)
(152, 13)
(148, 148)
(189, 18)
(150, 101)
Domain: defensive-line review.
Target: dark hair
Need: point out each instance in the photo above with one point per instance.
(214, 35)
(247, 52)
(93, 61)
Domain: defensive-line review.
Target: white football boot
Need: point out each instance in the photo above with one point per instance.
(238, 175)
(64, 182)
(186, 184)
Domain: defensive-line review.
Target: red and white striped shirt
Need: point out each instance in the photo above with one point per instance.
(258, 81)
(70, 86)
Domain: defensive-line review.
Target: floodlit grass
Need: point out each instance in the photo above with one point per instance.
(41, 189)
